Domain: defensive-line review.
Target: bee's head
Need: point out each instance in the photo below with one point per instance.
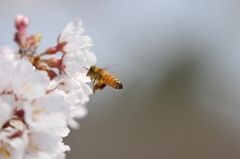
(91, 70)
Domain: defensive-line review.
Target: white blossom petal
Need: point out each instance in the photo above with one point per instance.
(6, 113)
(28, 83)
(5, 74)
(73, 35)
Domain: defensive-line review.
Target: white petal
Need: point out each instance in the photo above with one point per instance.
(76, 23)
(44, 139)
(5, 113)
(55, 81)
(74, 60)
(16, 146)
(7, 52)
(91, 59)
(5, 73)
(73, 123)
(80, 112)
(77, 43)
(28, 83)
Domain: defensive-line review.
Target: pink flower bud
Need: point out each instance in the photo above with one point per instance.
(21, 22)
(51, 50)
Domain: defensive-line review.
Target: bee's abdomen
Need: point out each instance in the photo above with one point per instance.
(112, 81)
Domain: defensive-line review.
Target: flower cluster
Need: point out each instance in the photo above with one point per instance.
(42, 93)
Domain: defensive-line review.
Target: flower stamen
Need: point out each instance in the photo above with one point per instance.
(4, 152)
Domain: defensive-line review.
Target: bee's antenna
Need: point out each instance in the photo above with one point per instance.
(85, 67)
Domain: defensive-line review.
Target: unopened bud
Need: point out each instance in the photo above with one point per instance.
(21, 21)
(49, 51)
(53, 62)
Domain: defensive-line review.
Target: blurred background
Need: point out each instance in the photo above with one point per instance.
(180, 69)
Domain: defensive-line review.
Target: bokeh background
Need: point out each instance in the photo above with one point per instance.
(179, 61)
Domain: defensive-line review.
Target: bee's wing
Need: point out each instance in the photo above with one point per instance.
(106, 68)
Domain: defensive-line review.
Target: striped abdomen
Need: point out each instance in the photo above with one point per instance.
(112, 81)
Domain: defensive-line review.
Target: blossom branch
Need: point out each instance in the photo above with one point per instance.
(41, 95)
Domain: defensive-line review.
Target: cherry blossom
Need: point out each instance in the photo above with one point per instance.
(40, 96)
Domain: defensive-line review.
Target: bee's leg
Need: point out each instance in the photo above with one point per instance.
(94, 80)
(95, 88)
(102, 87)
(98, 85)
(100, 82)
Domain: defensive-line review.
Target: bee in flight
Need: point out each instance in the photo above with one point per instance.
(100, 79)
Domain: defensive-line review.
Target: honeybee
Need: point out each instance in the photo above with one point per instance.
(100, 79)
